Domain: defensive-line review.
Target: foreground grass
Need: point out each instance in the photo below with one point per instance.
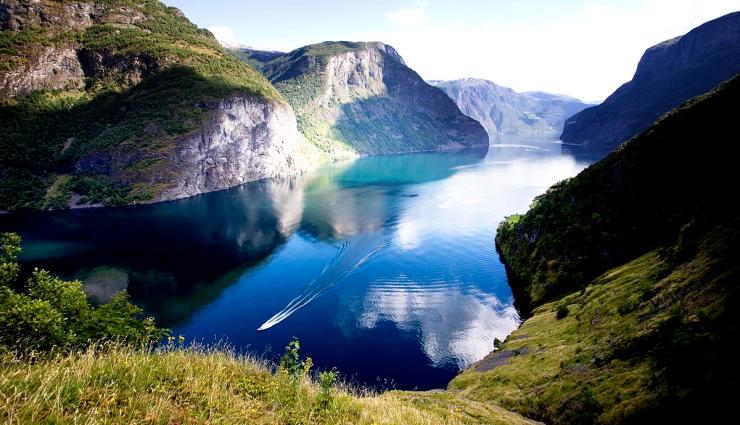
(122, 385)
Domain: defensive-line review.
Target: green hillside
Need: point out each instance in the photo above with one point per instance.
(149, 76)
(631, 269)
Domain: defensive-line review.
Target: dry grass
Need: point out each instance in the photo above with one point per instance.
(121, 385)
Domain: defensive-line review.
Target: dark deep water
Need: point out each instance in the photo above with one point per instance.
(385, 267)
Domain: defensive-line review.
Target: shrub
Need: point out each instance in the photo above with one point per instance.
(47, 312)
(290, 361)
(326, 384)
(561, 312)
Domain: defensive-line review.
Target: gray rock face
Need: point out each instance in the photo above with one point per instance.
(668, 74)
(53, 68)
(18, 15)
(501, 110)
(246, 139)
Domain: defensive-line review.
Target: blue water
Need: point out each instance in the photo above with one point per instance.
(384, 267)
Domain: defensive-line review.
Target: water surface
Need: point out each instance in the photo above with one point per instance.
(384, 267)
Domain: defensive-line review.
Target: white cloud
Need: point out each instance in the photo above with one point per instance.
(410, 16)
(223, 34)
(588, 54)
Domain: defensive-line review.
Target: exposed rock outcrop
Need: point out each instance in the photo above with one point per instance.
(246, 139)
(667, 75)
(51, 68)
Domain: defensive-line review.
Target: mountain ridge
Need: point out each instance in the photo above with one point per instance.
(360, 98)
(668, 74)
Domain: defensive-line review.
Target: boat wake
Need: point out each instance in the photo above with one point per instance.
(352, 254)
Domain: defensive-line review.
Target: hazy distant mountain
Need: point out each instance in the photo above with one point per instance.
(361, 98)
(501, 110)
(667, 75)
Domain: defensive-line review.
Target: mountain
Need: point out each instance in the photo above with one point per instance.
(631, 268)
(254, 57)
(123, 101)
(501, 110)
(667, 75)
(361, 98)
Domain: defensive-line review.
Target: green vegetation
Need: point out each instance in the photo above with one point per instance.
(148, 84)
(120, 385)
(641, 197)
(46, 313)
(646, 341)
(631, 268)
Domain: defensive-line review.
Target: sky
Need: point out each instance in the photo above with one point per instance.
(585, 49)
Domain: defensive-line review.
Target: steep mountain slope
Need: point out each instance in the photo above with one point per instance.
(123, 101)
(360, 98)
(638, 258)
(667, 75)
(501, 110)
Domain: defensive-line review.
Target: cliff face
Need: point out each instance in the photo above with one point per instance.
(246, 139)
(121, 102)
(361, 98)
(667, 75)
(501, 110)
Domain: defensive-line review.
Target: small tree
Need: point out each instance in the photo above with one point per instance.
(291, 360)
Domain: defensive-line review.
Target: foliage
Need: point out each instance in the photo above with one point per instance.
(327, 379)
(49, 313)
(291, 361)
(635, 200)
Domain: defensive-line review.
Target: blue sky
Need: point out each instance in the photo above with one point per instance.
(584, 49)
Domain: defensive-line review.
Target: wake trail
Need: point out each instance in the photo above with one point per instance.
(352, 254)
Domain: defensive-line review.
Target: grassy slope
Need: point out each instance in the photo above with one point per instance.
(196, 386)
(643, 342)
(46, 132)
(637, 257)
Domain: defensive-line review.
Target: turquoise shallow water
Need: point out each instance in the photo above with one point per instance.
(384, 267)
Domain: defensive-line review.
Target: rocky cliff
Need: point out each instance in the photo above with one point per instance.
(361, 98)
(667, 75)
(126, 101)
(246, 139)
(501, 110)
